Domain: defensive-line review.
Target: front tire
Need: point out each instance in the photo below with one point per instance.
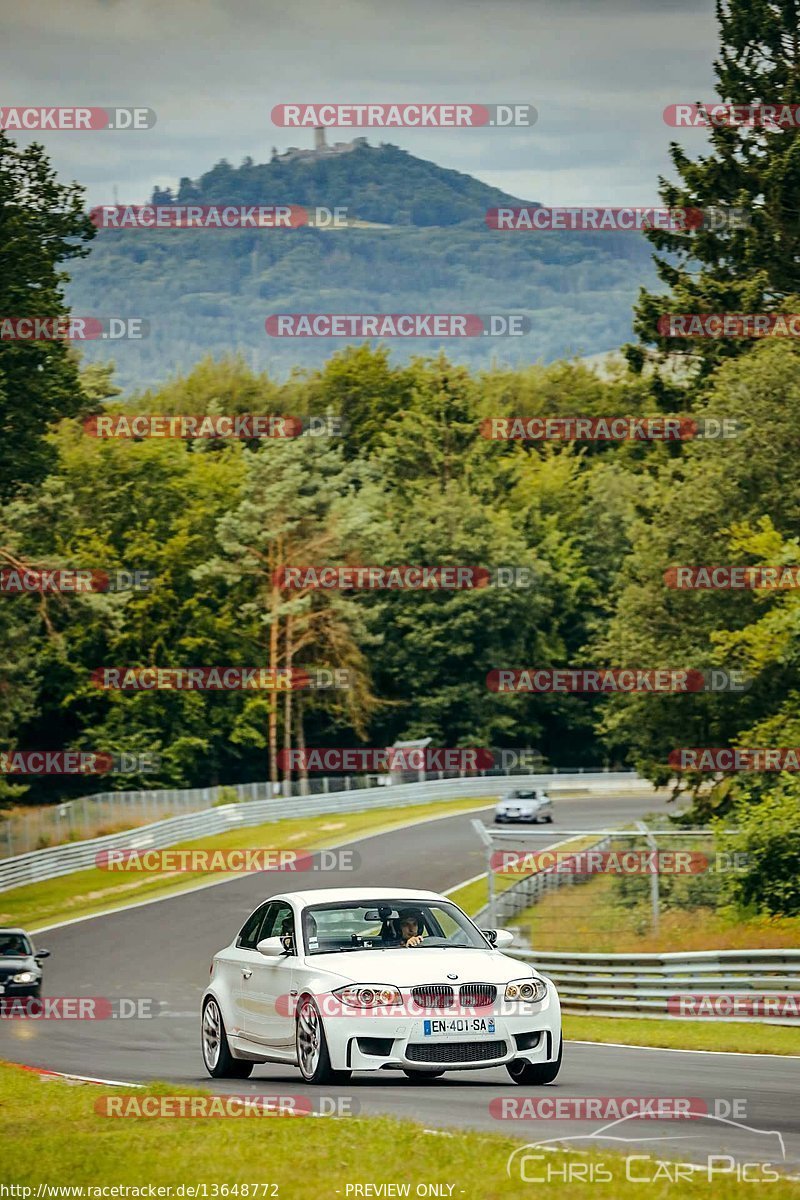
(217, 1057)
(313, 1057)
(528, 1074)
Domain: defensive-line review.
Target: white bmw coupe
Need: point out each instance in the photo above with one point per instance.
(366, 979)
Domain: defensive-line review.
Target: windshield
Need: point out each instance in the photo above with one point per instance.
(387, 925)
(522, 796)
(14, 945)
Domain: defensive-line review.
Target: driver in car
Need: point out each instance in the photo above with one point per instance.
(409, 921)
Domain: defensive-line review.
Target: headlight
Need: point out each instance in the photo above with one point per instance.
(368, 995)
(24, 977)
(526, 989)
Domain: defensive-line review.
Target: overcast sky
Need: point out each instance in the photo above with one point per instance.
(600, 73)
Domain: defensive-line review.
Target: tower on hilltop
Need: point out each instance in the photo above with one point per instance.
(319, 138)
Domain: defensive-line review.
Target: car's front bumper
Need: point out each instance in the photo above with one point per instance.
(13, 991)
(374, 1043)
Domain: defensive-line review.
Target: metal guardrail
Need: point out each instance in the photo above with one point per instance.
(84, 817)
(54, 861)
(641, 985)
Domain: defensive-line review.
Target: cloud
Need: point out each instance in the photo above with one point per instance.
(599, 75)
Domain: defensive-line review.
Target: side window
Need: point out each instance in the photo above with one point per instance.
(250, 933)
(279, 921)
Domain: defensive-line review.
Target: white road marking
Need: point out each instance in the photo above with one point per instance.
(677, 1050)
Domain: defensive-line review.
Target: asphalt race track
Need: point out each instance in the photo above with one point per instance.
(162, 950)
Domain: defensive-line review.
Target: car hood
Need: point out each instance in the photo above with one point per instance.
(414, 965)
(11, 966)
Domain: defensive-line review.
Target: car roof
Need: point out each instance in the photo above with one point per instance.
(328, 895)
(13, 929)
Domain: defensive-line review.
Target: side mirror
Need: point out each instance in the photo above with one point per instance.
(499, 938)
(271, 947)
(41, 954)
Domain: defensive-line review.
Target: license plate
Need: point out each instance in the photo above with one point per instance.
(457, 1026)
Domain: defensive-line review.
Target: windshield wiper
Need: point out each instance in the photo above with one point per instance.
(346, 949)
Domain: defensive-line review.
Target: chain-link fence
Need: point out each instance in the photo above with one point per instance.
(633, 889)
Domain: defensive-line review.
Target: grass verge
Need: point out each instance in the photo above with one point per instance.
(93, 891)
(593, 916)
(67, 1143)
(751, 1038)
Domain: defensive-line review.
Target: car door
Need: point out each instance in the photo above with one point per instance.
(267, 982)
(235, 963)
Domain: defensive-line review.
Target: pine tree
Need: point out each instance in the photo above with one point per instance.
(751, 263)
(42, 225)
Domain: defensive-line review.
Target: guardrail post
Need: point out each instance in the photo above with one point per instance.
(486, 837)
(654, 889)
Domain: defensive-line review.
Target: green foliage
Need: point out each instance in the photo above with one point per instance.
(211, 522)
(769, 837)
(227, 795)
(41, 226)
(698, 509)
(753, 168)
